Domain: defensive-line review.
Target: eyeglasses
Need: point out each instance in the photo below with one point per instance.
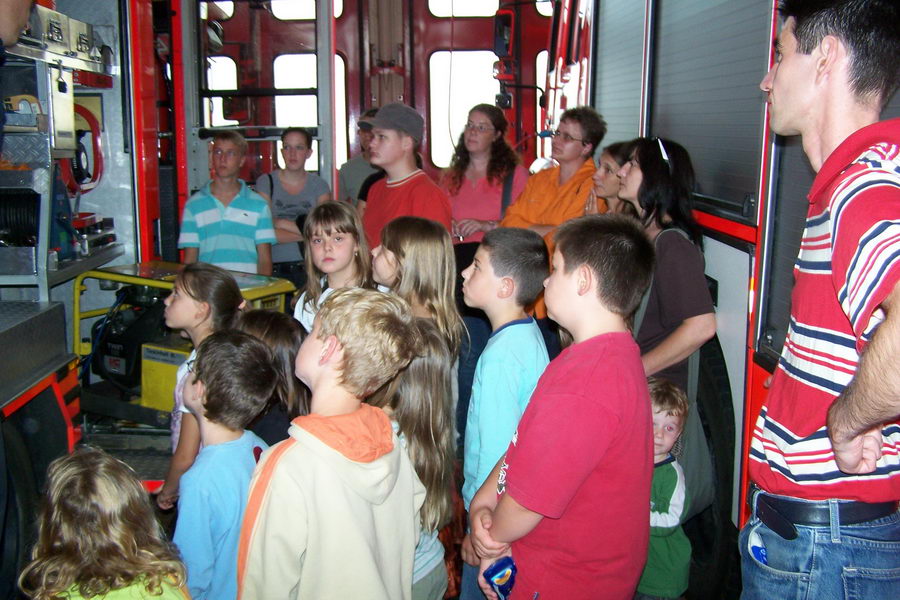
(478, 127)
(565, 136)
(228, 153)
(190, 365)
(664, 155)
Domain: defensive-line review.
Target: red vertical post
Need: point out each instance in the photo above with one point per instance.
(180, 125)
(146, 127)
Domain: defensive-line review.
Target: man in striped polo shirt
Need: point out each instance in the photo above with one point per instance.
(824, 455)
(226, 223)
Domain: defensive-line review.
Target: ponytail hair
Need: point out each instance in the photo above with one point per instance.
(217, 288)
(283, 335)
(667, 187)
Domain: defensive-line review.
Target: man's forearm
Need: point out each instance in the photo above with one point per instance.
(873, 396)
(191, 255)
(264, 259)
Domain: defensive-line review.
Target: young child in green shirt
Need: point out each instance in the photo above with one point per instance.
(669, 553)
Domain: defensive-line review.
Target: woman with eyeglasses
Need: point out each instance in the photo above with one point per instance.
(484, 176)
(555, 195)
(677, 316)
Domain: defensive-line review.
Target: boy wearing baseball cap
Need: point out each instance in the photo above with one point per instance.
(397, 132)
(355, 171)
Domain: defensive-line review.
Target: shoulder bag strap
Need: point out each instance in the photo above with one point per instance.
(694, 358)
(506, 199)
(642, 308)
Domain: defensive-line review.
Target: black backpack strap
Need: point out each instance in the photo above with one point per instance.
(271, 187)
(507, 192)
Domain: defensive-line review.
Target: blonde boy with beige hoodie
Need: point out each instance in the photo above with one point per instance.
(333, 510)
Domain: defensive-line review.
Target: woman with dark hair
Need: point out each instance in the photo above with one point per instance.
(676, 315)
(483, 165)
(606, 182)
(291, 193)
(678, 318)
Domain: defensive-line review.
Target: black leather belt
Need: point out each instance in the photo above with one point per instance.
(782, 514)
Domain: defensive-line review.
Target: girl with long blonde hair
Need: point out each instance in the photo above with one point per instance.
(420, 404)
(337, 256)
(416, 261)
(98, 536)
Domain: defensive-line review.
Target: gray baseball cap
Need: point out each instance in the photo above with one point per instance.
(365, 119)
(400, 117)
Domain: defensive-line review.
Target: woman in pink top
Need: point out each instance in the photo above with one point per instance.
(475, 179)
(483, 165)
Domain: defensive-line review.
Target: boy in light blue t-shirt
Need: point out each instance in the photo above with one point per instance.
(228, 385)
(506, 275)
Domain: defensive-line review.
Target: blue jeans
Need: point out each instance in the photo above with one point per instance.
(470, 349)
(468, 587)
(823, 562)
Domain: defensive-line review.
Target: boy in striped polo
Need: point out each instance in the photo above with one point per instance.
(226, 223)
(825, 455)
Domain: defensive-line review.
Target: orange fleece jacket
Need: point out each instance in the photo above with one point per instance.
(545, 202)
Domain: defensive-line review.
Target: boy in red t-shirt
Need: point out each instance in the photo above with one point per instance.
(569, 499)
(406, 190)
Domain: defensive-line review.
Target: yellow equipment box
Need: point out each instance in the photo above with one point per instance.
(258, 290)
(159, 365)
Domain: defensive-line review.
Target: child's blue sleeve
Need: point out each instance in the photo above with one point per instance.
(193, 536)
(502, 398)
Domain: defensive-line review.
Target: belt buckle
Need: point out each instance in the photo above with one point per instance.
(773, 519)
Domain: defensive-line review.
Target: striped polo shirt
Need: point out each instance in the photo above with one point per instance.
(227, 236)
(849, 262)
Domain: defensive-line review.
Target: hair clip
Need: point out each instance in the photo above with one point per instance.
(664, 154)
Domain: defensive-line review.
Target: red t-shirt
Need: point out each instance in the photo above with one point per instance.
(416, 195)
(582, 457)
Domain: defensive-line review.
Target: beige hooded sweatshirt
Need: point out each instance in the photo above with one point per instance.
(333, 512)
